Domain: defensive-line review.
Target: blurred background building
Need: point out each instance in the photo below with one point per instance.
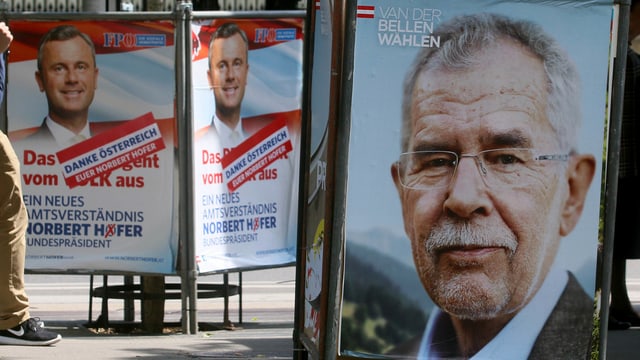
(147, 5)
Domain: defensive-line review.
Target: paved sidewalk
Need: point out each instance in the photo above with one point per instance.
(624, 345)
(250, 341)
(265, 333)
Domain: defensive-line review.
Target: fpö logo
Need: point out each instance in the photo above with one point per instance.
(268, 35)
(129, 40)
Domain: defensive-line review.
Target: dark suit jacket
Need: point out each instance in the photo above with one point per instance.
(40, 139)
(567, 332)
(44, 136)
(43, 132)
(565, 335)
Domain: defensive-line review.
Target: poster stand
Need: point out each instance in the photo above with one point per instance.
(620, 33)
(344, 23)
(188, 272)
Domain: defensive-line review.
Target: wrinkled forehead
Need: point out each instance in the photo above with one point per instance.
(503, 90)
(503, 64)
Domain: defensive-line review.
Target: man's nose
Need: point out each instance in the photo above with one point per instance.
(72, 76)
(468, 194)
(230, 74)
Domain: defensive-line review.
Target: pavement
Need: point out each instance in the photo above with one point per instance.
(266, 330)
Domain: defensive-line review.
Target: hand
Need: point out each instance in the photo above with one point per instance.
(5, 37)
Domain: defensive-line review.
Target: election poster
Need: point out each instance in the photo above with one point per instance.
(312, 266)
(454, 154)
(247, 85)
(90, 111)
(315, 243)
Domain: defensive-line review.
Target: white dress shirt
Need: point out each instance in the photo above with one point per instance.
(65, 137)
(229, 138)
(517, 338)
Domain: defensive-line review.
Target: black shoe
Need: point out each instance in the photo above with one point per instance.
(615, 324)
(29, 333)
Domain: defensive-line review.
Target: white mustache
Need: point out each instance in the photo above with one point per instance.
(451, 234)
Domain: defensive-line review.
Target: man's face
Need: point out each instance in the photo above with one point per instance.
(68, 77)
(499, 103)
(228, 72)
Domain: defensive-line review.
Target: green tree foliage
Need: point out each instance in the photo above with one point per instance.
(381, 318)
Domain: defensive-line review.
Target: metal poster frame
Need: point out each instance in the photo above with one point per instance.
(302, 342)
(611, 179)
(129, 16)
(247, 19)
(327, 201)
(344, 28)
(242, 15)
(313, 284)
(80, 19)
(182, 16)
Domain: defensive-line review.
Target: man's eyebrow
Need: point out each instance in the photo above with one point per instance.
(433, 146)
(514, 138)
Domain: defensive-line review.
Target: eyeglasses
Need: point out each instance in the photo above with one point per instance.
(426, 170)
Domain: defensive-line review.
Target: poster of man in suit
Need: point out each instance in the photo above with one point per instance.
(479, 127)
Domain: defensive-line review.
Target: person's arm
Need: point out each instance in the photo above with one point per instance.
(5, 40)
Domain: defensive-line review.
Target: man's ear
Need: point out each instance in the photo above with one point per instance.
(396, 177)
(401, 195)
(39, 81)
(579, 176)
(210, 79)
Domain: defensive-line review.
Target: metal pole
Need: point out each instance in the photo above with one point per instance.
(611, 181)
(185, 152)
(343, 39)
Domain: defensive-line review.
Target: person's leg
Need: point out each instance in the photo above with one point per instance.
(618, 296)
(626, 235)
(16, 326)
(14, 304)
(620, 307)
